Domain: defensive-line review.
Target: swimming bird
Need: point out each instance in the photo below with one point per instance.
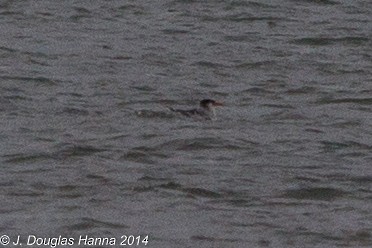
(206, 110)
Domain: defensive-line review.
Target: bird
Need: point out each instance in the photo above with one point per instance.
(206, 110)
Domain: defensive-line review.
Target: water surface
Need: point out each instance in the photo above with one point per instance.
(88, 146)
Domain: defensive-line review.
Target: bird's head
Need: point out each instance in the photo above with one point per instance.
(209, 103)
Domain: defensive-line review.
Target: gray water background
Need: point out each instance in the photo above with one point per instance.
(88, 146)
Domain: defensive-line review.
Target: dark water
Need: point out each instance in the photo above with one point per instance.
(88, 146)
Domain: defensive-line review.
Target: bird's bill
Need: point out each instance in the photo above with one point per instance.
(217, 103)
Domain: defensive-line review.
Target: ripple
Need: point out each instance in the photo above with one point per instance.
(253, 65)
(320, 2)
(333, 146)
(191, 192)
(69, 191)
(25, 158)
(174, 31)
(242, 3)
(362, 179)
(91, 223)
(316, 193)
(301, 90)
(208, 64)
(74, 111)
(143, 154)
(82, 10)
(131, 9)
(7, 49)
(258, 91)
(243, 17)
(203, 144)
(42, 80)
(317, 41)
(149, 179)
(78, 150)
(121, 57)
(200, 192)
(213, 239)
(11, 13)
(238, 38)
(27, 193)
(362, 101)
